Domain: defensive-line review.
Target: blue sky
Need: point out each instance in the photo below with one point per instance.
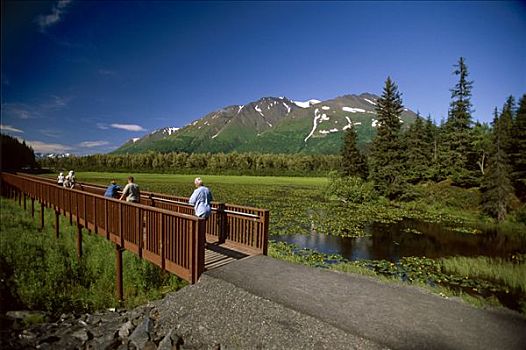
(85, 76)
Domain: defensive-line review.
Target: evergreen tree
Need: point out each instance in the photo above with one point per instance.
(386, 158)
(15, 154)
(481, 137)
(506, 124)
(431, 132)
(518, 154)
(353, 162)
(497, 191)
(460, 160)
(418, 141)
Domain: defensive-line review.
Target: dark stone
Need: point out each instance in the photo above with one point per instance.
(125, 330)
(83, 335)
(166, 343)
(141, 334)
(50, 339)
(150, 345)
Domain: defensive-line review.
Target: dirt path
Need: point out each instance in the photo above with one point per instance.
(396, 316)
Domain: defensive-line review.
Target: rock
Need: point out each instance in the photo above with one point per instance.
(109, 341)
(141, 334)
(27, 335)
(83, 335)
(169, 341)
(125, 330)
(94, 320)
(150, 345)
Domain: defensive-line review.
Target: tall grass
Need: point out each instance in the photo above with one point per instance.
(42, 272)
(511, 274)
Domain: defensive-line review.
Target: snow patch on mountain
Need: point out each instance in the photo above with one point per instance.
(353, 110)
(371, 102)
(170, 130)
(374, 123)
(259, 110)
(325, 108)
(240, 108)
(315, 122)
(287, 107)
(306, 104)
(349, 123)
(135, 139)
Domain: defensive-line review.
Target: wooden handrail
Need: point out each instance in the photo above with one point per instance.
(244, 227)
(131, 226)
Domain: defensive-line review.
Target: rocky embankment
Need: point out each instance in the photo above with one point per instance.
(212, 314)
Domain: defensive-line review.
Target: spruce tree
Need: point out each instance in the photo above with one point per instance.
(418, 142)
(518, 154)
(497, 191)
(386, 158)
(353, 162)
(460, 160)
(481, 137)
(506, 124)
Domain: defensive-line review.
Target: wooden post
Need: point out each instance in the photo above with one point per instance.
(266, 220)
(25, 205)
(79, 241)
(32, 207)
(41, 216)
(57, 223)
(223, 223)
(19, 198)
(119, 291)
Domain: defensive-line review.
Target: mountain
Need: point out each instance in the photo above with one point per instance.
(52, 155)
(271, 125)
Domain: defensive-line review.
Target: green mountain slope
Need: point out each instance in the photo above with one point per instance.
(271, 125)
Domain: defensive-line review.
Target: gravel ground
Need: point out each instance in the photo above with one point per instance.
(216, 314)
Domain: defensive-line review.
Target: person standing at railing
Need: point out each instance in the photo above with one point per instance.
(131, 191)
(69, 181)
(201, 199)
(60, 179)
(112, 189)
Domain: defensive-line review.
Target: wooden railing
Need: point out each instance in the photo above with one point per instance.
(245, 228)
(171, 240)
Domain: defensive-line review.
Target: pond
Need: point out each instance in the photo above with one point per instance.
(410, 238)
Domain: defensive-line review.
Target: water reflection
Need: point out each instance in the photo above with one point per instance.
(410, 238)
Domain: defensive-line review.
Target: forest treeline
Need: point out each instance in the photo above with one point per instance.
(203, 163)
(15, 154)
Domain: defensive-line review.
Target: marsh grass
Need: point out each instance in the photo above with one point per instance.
(41, 272)
(511, 274)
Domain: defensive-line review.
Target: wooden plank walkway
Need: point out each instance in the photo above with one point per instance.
(219, 255)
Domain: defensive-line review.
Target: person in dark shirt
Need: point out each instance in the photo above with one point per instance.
(112, 189)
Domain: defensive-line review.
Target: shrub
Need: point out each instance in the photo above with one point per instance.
(350, 190)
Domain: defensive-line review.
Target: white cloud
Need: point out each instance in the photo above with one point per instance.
(128, 127)
(9, 128)
(42, 147)
(90, 144)
(18, 111)
(51, 132)
(57, 11)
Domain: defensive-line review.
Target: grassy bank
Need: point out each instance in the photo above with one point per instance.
(41, 272)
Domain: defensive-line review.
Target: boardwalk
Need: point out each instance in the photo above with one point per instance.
(161, 228)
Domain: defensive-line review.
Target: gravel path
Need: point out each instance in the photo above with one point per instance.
(395, 315)
(214, 312)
